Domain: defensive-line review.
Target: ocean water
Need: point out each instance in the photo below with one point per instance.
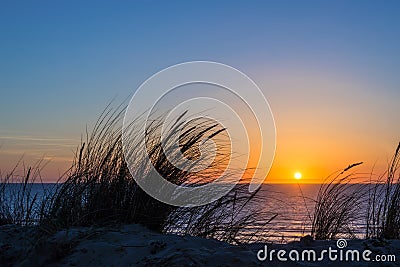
(13, 195)
(293, 204)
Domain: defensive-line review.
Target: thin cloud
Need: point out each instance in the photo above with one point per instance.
(42, 139)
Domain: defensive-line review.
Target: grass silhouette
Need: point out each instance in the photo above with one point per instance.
(99, 189)
(383, 216)
(338, 206)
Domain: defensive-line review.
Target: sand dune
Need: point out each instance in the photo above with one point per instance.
(134, 245)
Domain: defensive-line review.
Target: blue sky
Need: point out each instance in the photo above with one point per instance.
(61, 62)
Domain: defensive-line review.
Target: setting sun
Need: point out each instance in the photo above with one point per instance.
(297, 175)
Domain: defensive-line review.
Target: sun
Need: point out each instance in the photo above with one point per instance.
(297, 175)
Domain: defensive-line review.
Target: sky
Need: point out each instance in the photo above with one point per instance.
(329, 70)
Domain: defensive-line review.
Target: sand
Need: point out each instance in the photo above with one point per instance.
(134, 245)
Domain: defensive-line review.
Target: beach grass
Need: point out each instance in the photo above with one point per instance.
(99, 189)
(19, 204)
(383, 215)
(338, 205)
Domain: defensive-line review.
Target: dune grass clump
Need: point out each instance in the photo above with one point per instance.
(383, 215)
(100, 189)
(234, 218)
(338, 206)
(19, 203)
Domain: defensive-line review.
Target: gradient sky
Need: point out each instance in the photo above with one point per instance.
(330, 70)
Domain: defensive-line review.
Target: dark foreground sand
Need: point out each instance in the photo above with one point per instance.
(134, 245)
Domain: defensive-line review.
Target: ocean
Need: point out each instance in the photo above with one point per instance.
(293, 204)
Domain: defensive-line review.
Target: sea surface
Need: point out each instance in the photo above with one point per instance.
(293, 204)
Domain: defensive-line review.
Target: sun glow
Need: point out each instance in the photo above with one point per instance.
(297, 175)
